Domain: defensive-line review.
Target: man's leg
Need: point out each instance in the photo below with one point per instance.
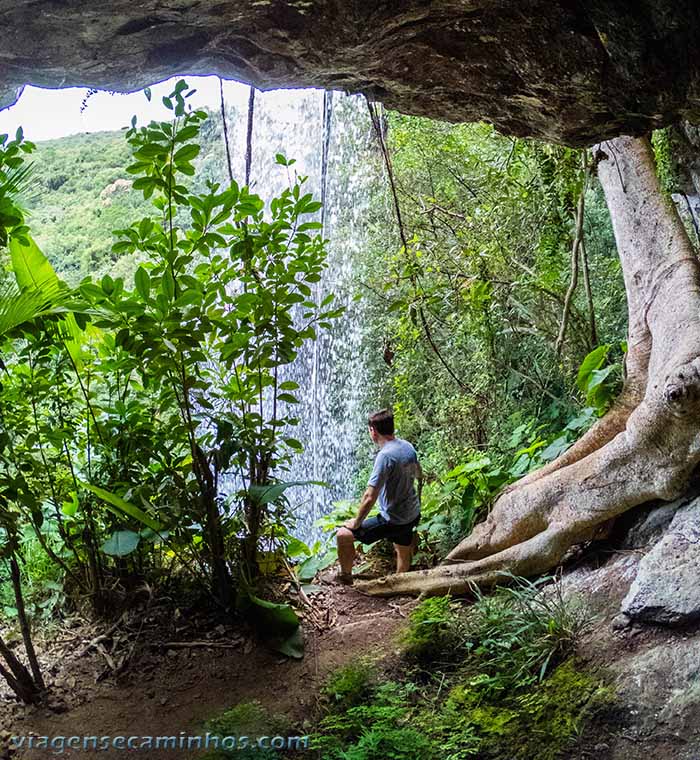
(346, 550)
(403, 557)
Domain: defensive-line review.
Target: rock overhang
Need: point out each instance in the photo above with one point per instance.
(568, 71)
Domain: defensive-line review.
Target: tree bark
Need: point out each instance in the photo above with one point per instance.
(17, 676)
(24, 623)
(647, 446)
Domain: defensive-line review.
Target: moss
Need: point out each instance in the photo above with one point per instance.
(351, 685)
(434, 631)
(246, 719)
(667, 165)
(538, 724)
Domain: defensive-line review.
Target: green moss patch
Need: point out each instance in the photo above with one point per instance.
(497, 681)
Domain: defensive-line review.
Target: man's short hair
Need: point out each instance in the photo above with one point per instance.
(382, 421)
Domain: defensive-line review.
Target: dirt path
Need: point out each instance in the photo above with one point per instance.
(168, 691)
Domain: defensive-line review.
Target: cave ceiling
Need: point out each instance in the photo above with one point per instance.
(573, 72)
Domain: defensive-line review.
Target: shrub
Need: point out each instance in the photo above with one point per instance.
(377, 727)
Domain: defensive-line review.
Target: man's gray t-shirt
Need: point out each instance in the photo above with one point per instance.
(395, 469)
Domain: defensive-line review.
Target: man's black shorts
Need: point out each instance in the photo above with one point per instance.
(375, 528)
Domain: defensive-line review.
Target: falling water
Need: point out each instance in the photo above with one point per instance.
(329, 136)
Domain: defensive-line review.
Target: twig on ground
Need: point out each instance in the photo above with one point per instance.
(102, 637)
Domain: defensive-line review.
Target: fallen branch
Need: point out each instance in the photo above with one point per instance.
(102, 637)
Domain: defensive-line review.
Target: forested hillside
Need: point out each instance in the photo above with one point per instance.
(80, 193)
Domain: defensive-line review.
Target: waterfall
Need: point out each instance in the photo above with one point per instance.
(329, 136)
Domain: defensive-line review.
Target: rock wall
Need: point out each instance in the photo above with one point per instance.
(564, 70)
(642, 594)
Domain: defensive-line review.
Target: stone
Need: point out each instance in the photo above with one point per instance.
(601, 589)
(666, 589)
(663, 684)
(620, 622)
(652, 522)
(575, 73)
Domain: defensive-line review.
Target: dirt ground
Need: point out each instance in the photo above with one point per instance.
(165, 690)
(163, 670)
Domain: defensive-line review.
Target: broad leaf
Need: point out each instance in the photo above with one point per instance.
(279, 624)
(270, 493)
(592, 362)
(31, 268)
(307, 570)
(121, 543)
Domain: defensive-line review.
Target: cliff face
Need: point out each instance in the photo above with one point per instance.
(572, 71)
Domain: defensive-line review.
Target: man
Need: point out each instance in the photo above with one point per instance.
(391, 483)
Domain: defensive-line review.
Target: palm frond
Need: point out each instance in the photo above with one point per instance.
(19, 307)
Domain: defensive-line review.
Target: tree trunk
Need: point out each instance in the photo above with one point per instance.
(647, 446)
(24, 623)
(17, 676)
(222, 585)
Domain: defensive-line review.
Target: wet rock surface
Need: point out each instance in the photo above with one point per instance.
(562, 71)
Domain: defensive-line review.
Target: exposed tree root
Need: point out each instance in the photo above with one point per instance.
(646, 447)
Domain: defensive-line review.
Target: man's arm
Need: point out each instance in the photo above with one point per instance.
(368, 499)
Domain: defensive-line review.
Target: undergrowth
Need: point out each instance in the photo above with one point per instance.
(237, 730)
(498, 680)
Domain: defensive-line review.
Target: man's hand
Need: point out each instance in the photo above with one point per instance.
(368, 499)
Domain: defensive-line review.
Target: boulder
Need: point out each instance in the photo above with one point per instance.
(666, 589)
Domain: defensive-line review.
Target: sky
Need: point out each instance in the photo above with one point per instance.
(48, 114)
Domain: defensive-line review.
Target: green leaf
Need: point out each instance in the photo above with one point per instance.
(270, 493)
(292, 646)
(31, 268)
(186, 153)
(555, 448)
(297, 548)
(70, 508)
(18, 308)
(168, 284)
(120, 507)
(186, 133)
(142, 281)
(107, 284)
(592, 362)
(308, 569)
(279, 624)
(121, 543)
